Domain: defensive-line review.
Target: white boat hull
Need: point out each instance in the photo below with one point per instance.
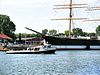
(31, 52)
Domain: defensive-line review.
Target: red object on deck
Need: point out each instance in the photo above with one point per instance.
(3, 36)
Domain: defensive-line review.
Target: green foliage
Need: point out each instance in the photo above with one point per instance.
(77, 31)
(98, 30)
(45, 31)
(85, 34)
(52, 32)
(7, 26)
(67, 33)
(92, 34)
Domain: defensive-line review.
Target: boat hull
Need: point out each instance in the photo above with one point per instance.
(31, 52)
(67, 41)
(72, 42)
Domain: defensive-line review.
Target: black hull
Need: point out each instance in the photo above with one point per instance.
(67, 41)
(39, 52)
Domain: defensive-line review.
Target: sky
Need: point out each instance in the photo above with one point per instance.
(37, 14)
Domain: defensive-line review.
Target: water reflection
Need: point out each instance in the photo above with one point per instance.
(61, 63)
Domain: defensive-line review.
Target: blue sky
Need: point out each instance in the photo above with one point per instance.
(37, 14)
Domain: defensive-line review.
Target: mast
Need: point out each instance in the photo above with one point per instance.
(70, 6)
(70, 21)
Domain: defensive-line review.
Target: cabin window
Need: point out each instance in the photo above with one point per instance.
(36, 49)
(49, 46)
(44, 47)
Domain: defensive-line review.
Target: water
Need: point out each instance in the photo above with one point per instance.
(61, 63)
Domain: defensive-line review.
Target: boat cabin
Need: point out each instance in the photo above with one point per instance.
(42, 47)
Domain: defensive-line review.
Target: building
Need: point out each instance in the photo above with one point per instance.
(30, 40)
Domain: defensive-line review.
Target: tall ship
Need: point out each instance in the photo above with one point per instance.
(69, 41)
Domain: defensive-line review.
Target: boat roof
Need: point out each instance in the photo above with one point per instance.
(3, 36)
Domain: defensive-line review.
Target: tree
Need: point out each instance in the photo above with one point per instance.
(7, 26)
(98, 30)
(44, 31)
(85, 34)
(77, 31)
(52, 32)
(67, 33)
(92, 34)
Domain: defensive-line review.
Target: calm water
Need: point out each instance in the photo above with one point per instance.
(61, 63)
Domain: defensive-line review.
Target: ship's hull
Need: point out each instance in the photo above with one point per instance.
(79, 44)
(67, 41)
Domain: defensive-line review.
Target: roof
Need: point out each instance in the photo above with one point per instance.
(3, 36)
